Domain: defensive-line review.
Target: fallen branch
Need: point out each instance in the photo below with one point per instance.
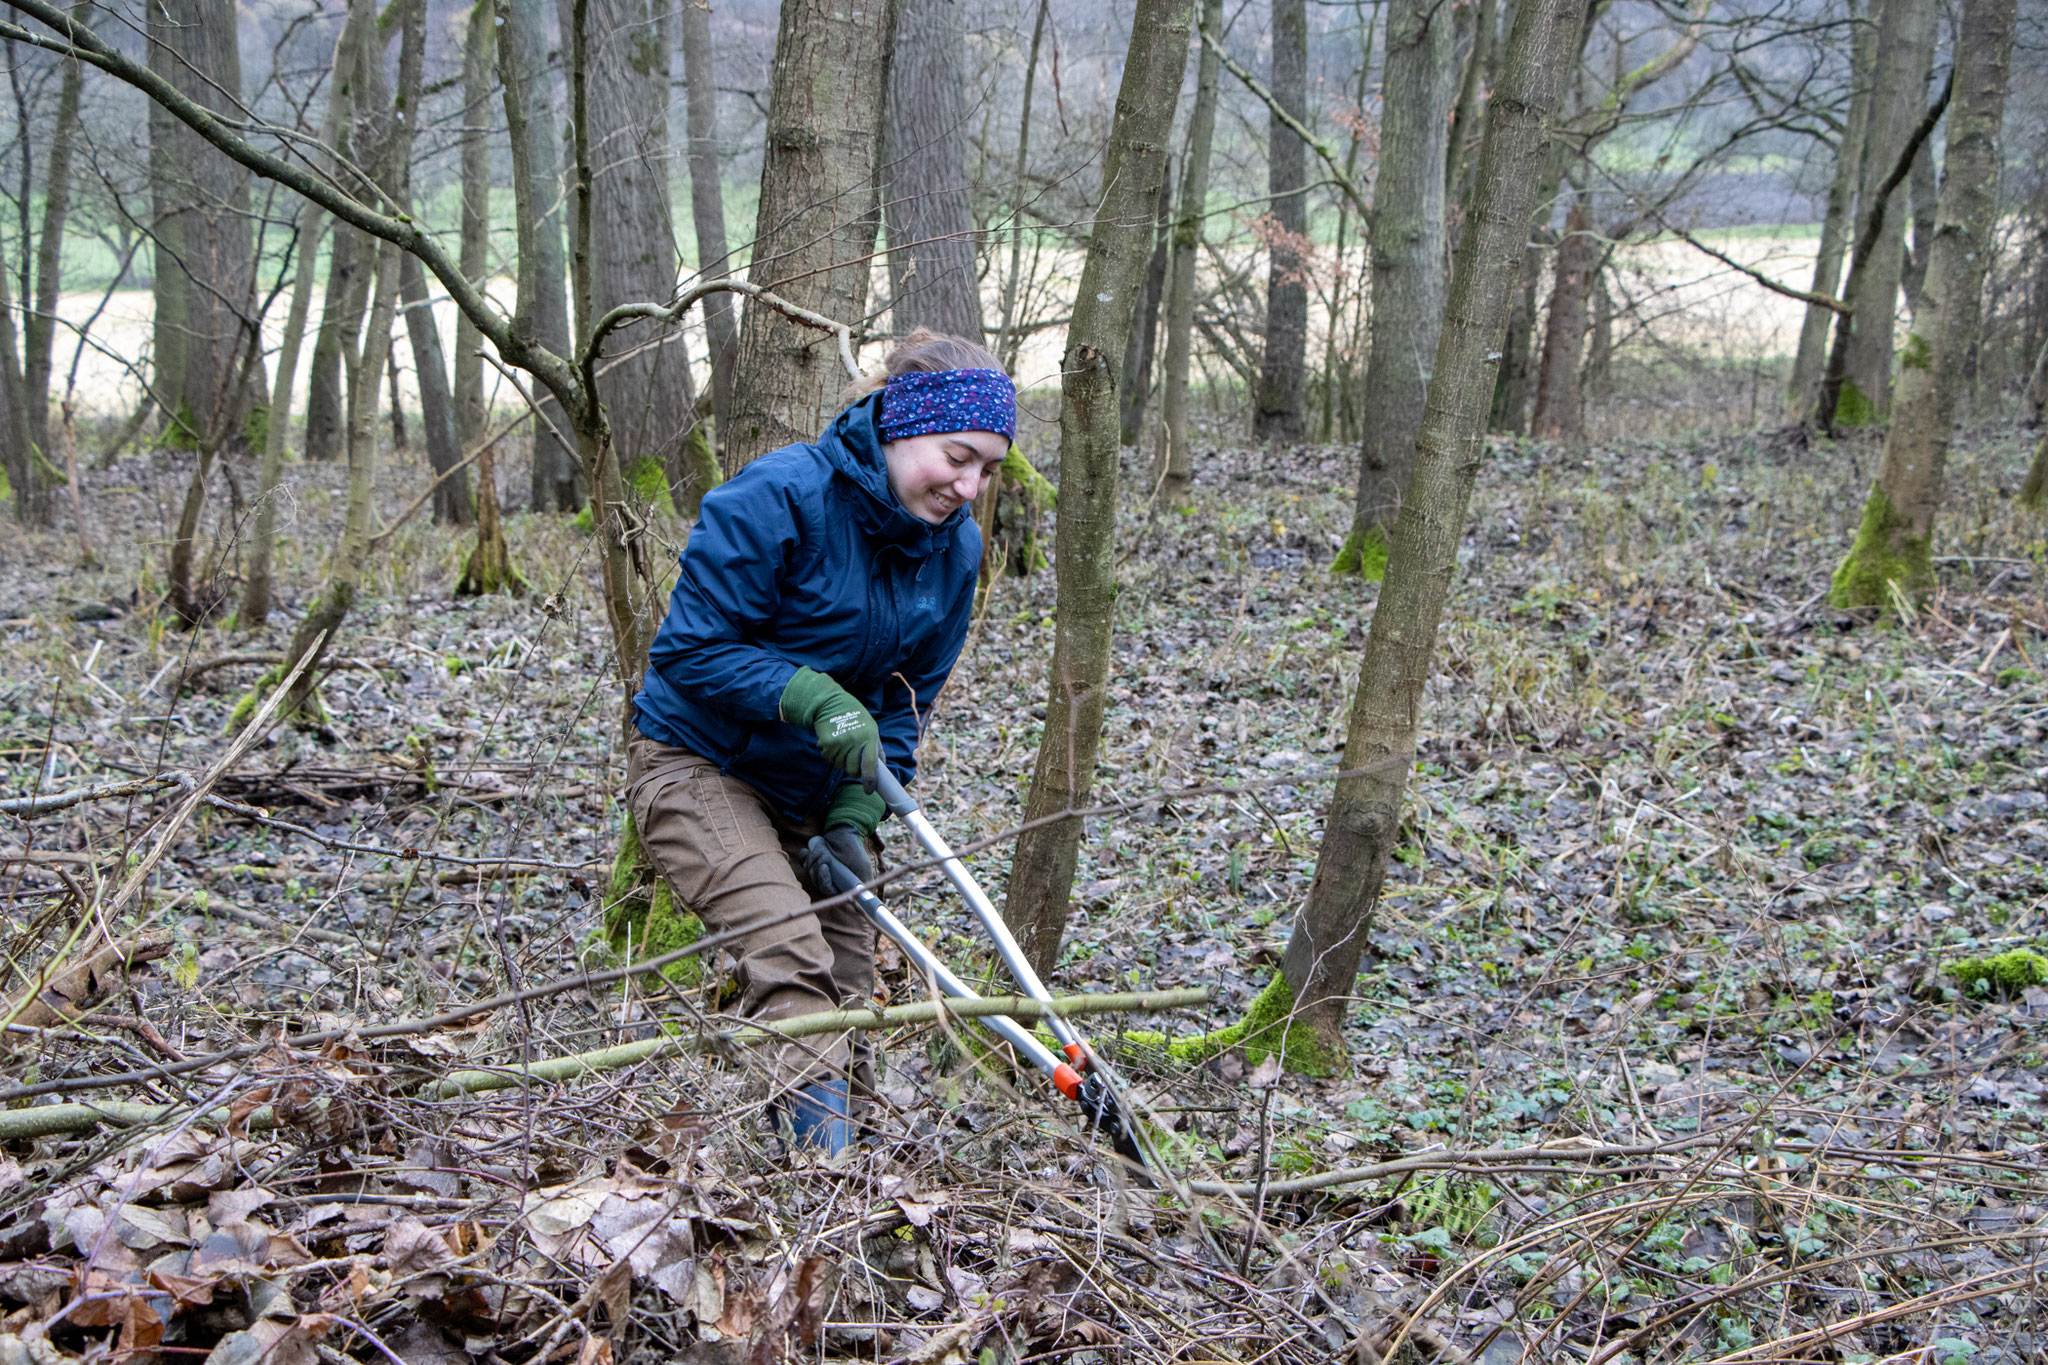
(106, 791)
(1448, 1160)
(54, 1119)
(810, 1025)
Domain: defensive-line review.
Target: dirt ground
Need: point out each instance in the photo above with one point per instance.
(1678, 945)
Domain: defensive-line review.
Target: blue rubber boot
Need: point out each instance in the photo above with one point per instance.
(818, 1116)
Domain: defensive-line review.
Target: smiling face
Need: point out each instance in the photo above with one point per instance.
(935, 474)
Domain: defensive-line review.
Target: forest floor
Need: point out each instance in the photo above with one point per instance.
(1664, 1029)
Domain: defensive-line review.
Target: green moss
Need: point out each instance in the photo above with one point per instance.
(585, 520)
(1883, 553)
(256, 428)
(649, 480)
(1267, 1028)
(2008, 973)
(1853, 408)
(6, 485)
(641, 914)
(1916, 354)
(1036, 487)
(1364, 554)
(246, 704)
(182, 431)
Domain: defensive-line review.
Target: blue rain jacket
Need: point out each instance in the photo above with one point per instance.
(805, 558)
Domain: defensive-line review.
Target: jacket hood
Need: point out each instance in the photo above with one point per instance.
(854, 448)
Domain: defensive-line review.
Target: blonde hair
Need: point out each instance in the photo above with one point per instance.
(922, 351)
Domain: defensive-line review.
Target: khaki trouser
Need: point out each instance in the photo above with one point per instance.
(732, 859)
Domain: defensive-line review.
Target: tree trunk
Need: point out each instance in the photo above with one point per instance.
(2034, 489)
(389, 127)
(1835, 229)
(542, 316)
(1138, 352)
(1105, 299)
(1187, 235)
(933, 280)
(1905, 44)
(1472, 87)
(1276, 415)
(489, 567)
(1894, 544)
(452, 506)
(1408, 262)
(815, 228)
(39, 327)
(1558, 417)
(31, 490)
(707, 205)
(257, 586)
(1320, 965)
(633, 247)
(1510, 411)
(206, 254)
(341, 326)
(1007, 341)
(1923, 192)
(478, 60)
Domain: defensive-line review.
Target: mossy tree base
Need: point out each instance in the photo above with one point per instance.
(310, 714)
(1364, 553)
(1268, 1029)
(489, 569)
(1886, 551)
(1854, 408)
(641, 917)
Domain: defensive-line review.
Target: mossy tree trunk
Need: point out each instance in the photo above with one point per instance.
(489, 567)
(1175, 452)
(1140, 349)
(1276, 413)
(1894, 544)
(819, 212)
(1905, 45)
(1362, 827)
(1084, 545)
(30, 490)
(1408, 265)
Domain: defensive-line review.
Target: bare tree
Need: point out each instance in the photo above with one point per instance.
(478, 61)
(1408, 265)
(932, 276)
(39, 326)
(1144, 339)
(633, 245)
(257, 585)
(341, 325)
(1175, 455)
(543, 270)
(1558, 415)
(1905, 45)
(1276, 414)
(205, 257)
(707, 204)
(1105, 299)
(815, 228)
(1362, 827)
(1837, 222)
(1007, 338)
(452, 505)
(386, 127)
(1894, 545)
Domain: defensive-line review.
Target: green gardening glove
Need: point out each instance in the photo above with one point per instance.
(849, 820)
(846, 732)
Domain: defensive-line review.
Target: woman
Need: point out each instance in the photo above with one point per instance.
(824, 598)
